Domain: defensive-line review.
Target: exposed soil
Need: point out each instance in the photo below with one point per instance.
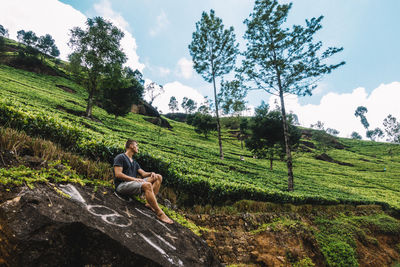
(79, 113)
(234, 240)
(66, 89)
(30, 64)
(307, 144)
(8, 159)
(327, 158)
(159, 122)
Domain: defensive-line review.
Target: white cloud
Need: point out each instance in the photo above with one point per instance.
(104, 9)
(56, 19)
(185, 68)
(128, 43)
(42, 17)
(337, 110)
(164, 71)
(161, 24)
(179, 91)
(321, 88)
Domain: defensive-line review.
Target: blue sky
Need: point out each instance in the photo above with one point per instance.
(160, 31)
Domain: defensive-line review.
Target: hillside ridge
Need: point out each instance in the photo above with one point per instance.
(35, 106)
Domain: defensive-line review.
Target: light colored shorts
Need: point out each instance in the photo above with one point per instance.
(130, 188)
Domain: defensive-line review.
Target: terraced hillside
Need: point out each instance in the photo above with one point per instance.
(52, 107)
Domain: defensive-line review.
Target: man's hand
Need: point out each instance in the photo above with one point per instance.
(152, 175)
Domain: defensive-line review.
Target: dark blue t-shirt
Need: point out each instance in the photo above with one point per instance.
(128, 168)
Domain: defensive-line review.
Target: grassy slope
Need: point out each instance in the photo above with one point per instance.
(193, 157)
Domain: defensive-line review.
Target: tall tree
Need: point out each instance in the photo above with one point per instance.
(205, 107)
(360, 112)
(203, 123)
(20, 35)
(29, 38)
(332, 131)
(138, 76)
(96, 51)
(173, 104)
(232, 96)
(280, 60)
(392, 129)
(189, 105)
(355, 135)
(47, 46)
(267, 139)
(375, 134)
(213, 50)
(3, 33)
(153, 90)
(120, 90)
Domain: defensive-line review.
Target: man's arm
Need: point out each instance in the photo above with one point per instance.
(119, 174)
(145, 174)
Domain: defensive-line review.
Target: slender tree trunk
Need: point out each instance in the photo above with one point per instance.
(221, 153)
(271, 161)
(89, 105)
(92, 88)
(286, 135)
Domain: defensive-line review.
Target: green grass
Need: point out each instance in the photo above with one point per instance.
(337, 237)
(195, 160)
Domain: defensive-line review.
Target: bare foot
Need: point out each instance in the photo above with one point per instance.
(164, 218)
(147, 205)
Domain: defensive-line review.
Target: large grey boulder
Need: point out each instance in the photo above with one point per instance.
(70, 225)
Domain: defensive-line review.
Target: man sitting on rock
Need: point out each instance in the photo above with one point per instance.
(127, 183)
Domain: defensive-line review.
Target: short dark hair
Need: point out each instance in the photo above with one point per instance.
(129, 142)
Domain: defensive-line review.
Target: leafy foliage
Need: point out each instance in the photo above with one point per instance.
(189, 105)
(153, 90)
(35, 104)
(47, 46)
(232, 97)
(267, 139)
(96, 52)
(279, 60)
(3, 31)
(203, 123)
(28, 38)
(173, 104)
(213, 50)
(392, 129)
(374, 134)
(355, 135)
(360, 112)
(119, 91)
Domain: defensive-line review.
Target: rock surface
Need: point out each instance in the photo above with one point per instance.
(236, 242)
(70, 225)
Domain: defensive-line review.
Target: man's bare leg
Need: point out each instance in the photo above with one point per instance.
(152, 201)
(156, 184)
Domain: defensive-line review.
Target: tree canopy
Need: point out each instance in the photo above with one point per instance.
(213, 50)
(120, 90)
(173, 104)
(153, 90)
(189, 105)
(267, 138)
(232, 97)
(3, 31)
(360, 112)
(96, 52)
(203, 123)
(392, 129)
(280, 60)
